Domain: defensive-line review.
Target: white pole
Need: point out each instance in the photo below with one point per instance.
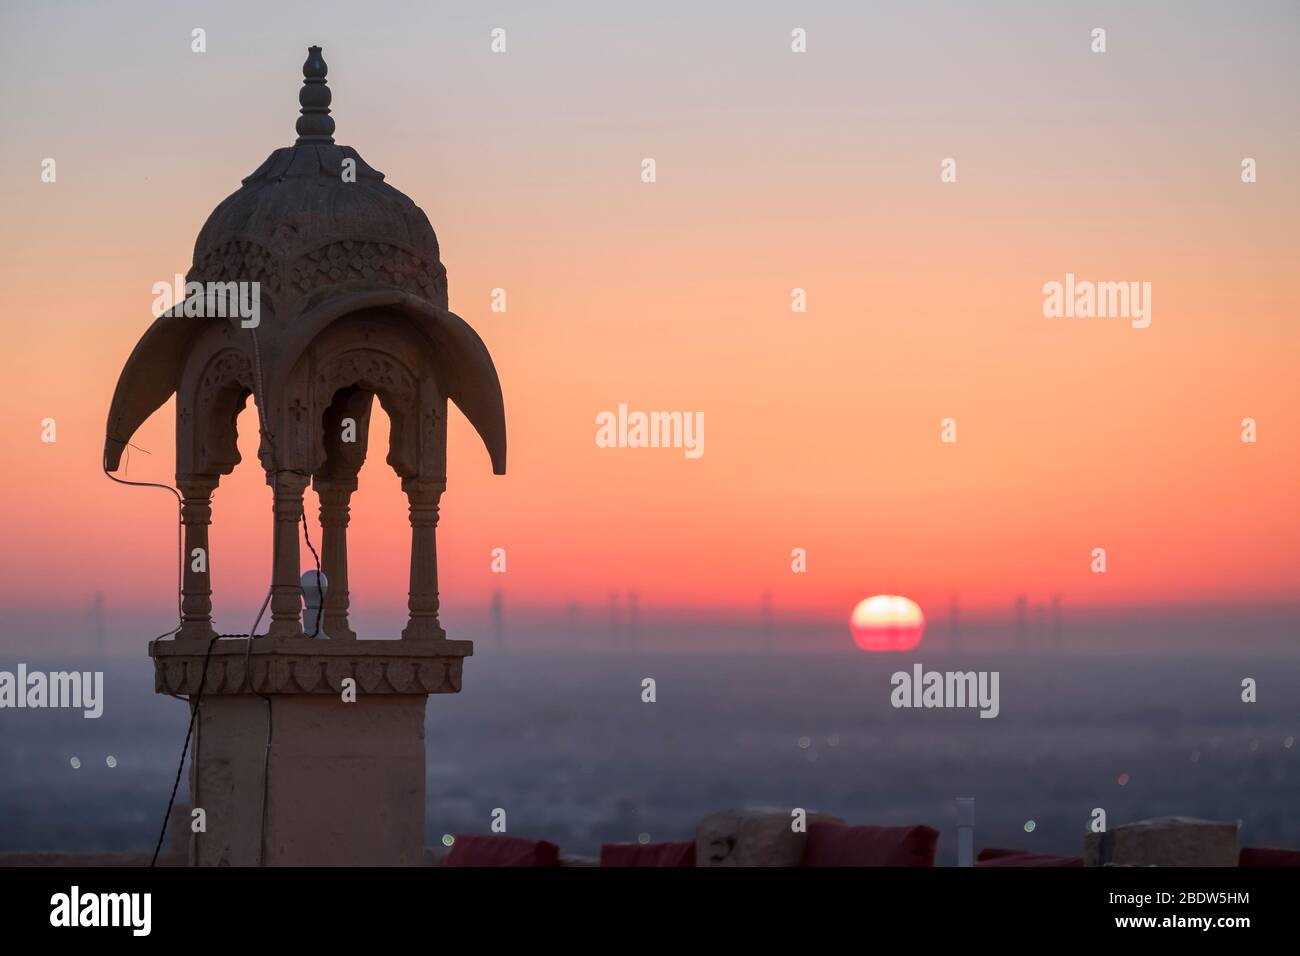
(965, 831)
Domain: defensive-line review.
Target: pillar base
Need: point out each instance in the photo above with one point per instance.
(343, 782)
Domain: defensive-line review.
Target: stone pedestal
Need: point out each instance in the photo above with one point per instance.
(341, 783)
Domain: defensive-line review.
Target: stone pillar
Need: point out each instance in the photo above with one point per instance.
(965, 831)
(335, 495)
(343, 782)
(423, 496)
(286, 591)
(196, 586)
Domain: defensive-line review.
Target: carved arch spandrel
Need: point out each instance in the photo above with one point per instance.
(373, 353)
(462, 368)
(344, 458)
(208, 405)
(373, 371)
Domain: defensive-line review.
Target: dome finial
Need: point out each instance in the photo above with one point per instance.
(315, 125)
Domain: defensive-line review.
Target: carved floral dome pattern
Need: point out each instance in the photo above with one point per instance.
(299, 227)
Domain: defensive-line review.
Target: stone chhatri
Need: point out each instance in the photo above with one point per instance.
(351, 306)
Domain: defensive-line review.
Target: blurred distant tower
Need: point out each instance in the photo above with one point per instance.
(1040, 627)
(1022, 622)
(572, 611)
(1058, 625)
(768, 623)
(954, 624)
(633, 618)
(97, 624)
(614, 628)
(499, 618)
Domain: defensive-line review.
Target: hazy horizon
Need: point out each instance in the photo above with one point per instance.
(1191, 628)
(565, 742)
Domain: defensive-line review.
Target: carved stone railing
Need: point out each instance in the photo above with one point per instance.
(299, 665)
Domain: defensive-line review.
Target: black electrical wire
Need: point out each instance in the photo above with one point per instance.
(194, 713)
(320, 590)
(180, 580)
(198, 696)
(180, 541)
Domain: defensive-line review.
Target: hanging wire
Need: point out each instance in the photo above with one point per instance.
(180, 581)
(180, 541)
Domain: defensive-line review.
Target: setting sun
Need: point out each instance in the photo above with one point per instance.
(887, 622)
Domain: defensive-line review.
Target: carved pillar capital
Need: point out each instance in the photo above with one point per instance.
(289, 484)
(197, 486)
(423, 495)
(334, 492)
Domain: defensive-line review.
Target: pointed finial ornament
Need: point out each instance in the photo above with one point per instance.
(315, 125)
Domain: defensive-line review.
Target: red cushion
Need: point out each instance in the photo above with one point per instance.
(649, 854)
(498, 850)
(997, 856)
(993, 852)
(1268, 856)
(834, 844)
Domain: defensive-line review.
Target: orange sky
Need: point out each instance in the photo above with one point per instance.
(822, 429)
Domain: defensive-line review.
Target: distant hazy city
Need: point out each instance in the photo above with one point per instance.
(1141, 716)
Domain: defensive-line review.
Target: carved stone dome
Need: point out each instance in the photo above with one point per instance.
(343, 278)
(315, 219)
